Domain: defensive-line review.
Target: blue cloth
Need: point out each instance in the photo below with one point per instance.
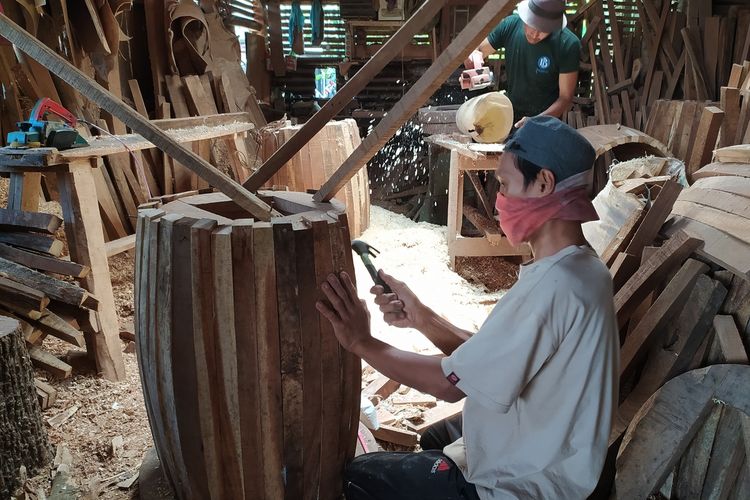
(296, 26)
(316, 21)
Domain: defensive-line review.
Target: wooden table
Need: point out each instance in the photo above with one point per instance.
(469, 158)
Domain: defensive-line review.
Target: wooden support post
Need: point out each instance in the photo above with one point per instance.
(349, 91)
(434, 77)
(83, 229)
(107, 101)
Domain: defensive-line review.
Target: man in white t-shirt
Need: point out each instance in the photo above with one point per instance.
(540, 376)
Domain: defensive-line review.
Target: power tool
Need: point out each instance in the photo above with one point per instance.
(38, 132)
(479, 76)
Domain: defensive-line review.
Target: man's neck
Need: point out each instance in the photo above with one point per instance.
(555, 235)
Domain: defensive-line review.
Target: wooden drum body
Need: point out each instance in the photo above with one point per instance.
(247, 391)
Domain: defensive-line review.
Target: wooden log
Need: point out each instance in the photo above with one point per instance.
(18, 220)
(25, 440)
(466, 41)
(43, 262)
(106, 100)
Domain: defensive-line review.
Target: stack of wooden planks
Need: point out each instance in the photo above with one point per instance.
(666, 54)
(124, 50)
(37, 287)
(312, 165)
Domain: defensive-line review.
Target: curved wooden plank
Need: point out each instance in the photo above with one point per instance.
(663, 428)
(735, 185)
(718, 169)
(607, 137)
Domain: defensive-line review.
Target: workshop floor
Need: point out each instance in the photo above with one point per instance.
(108, 435)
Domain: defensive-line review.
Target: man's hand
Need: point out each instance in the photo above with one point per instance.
(475, 60)
(346, 312)
(401, 308)
(520, 123)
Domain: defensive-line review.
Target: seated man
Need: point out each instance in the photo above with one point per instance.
(539, 377)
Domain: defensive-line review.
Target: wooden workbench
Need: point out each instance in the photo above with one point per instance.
(469, 158)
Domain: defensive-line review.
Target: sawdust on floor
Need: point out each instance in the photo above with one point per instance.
(415, 253)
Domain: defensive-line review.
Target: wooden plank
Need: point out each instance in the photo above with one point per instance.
(205, 340)
(184, 364)
(438, 413)
(381, 387)
(467, 40)
(49, 363)
(248, 364)
(739, 186)
(17, 220)
(176, 96)
(720, 200)
(705, 140)
(135, 92)
(120, 245)
(659, 314)
(33, 241)
(21, 298)
(267, 325)
(290, 337)
(313, 382)
(227, 382)
(273, 13)
(198, 101)
(739, 153)
(52, 324)
(106, 100)
(719, 169)
(691, 471)
(729, 223)
(86, 245)
(396, 435)
(732, 348)
(346, 93)
(63, 291)
(727, 455)
(730, 104)
(654, 219)
(488, 227)
(668, 257)
(46, 393)
(331, 401)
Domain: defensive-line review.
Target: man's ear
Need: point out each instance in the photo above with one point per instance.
(545, 181)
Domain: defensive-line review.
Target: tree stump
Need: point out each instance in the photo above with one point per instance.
(23, 438)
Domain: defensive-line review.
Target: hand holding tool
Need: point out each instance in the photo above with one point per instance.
(478, 76)
(365, 251)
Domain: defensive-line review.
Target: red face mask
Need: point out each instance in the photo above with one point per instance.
(521, 217)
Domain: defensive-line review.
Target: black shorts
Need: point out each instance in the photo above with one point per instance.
(426, 475)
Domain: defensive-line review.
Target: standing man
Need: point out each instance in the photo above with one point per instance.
(540, 376)
(541, 58)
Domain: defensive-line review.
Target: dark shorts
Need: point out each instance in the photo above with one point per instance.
(426, 475)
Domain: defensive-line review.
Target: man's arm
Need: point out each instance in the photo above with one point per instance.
(351, 325)
(485, 48)
(403, 309)
(567, 83)
(421, 372)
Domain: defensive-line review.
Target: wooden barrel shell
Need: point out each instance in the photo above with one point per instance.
(248, 393)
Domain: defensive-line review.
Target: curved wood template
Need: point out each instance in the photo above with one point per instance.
(607, 137)
(664, 427)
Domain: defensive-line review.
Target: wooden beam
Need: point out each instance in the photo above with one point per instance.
(466, 41)
(43, 262)
(118, 246)
(344, 96)
(109, 102)
(705, 139)
(18, 220)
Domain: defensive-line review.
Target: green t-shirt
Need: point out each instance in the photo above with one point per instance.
(533, 70)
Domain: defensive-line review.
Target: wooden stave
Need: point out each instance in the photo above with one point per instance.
(303, 235)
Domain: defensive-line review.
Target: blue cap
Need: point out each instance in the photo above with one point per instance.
(554, 145)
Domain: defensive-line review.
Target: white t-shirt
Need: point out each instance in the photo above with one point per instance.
(541, 379)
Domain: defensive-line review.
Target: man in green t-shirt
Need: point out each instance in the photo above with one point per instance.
(541, 58)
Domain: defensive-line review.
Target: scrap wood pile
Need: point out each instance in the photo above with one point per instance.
(682, 303)
(38, 287)
(661, 54)
(691, 129)
(171, 59)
